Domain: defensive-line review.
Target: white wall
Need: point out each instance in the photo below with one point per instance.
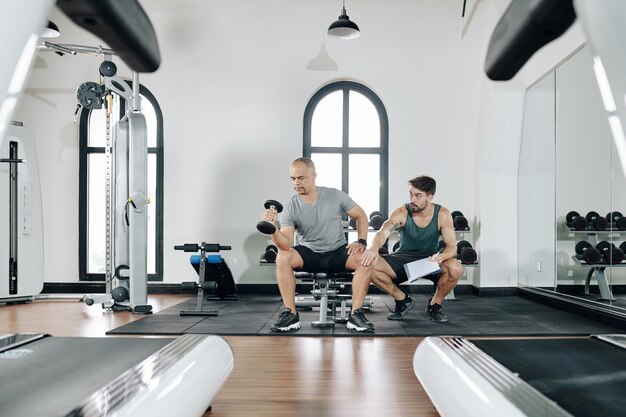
(233, 88)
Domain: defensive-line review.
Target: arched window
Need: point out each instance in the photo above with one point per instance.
(346, 133)
(92, 184)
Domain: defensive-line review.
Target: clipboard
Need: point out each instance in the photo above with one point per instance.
(420, 268)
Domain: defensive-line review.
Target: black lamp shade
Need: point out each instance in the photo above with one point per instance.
(343, 28)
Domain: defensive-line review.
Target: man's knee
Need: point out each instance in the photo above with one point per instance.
(286, 258)
(453, 269)
(353, 263)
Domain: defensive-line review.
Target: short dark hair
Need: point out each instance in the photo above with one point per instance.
(424, 183)
(308, 162)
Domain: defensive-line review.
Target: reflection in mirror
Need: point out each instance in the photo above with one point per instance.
(536, 187)
(617, 275)
(583, 180)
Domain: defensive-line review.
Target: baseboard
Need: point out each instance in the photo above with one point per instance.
(96, 287)
(594, 311)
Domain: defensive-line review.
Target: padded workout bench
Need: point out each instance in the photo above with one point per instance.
(327, 295)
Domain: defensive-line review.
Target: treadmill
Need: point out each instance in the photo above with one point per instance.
(524, 377)
(81, 376)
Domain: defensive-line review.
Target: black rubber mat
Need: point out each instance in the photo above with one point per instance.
(468, 315)
(586, 377)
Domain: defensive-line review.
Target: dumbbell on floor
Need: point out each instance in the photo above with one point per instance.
(617, 220)
(376, 220)
(267, 227)
(597, 222)
(575, 221)
(459, 220)
(465, 252)
(586, 252)
(271, 251)
(611, 254)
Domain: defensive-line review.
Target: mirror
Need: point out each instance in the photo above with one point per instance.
(569, 166)
(536, 252)
(583, 176)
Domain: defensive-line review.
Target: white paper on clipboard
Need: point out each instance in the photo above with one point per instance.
(420, 268)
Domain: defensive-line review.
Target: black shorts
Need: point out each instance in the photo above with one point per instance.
(397, 260)
(333, 261)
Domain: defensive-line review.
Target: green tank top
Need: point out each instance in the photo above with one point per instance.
(419, 239)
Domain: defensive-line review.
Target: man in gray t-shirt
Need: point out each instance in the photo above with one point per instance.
(318, 225)
(313, 216)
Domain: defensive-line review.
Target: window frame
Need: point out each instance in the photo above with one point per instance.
(84, 151)
(345, 150)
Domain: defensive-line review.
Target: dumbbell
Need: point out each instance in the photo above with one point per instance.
(610, 253)
(267, 227)
(120, 294)
(597, 222)
(459, 220)
(193, 286)
(376, 220)
(352, 223)
(465, 252)
(617, 218)
(271, 251)
(207, 247)
(575, 221)
(586, 252)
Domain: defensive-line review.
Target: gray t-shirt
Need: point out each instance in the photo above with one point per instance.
(318, 225)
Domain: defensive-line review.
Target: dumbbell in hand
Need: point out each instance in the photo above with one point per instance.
(271, 252)
(266, 227)
(611, 254)
(586, 252)
(575, 221)
(617, 219)
(597, 222)
(465, 252)
(459, 220)
(376, 220)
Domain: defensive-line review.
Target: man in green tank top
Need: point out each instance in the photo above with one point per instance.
(419, 223)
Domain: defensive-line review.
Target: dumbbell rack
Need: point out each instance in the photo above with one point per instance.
(592, 237)
(462, 232)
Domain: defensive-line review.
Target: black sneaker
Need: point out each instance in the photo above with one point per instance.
(286, 321)
(402, 307)
(358, 322)
(435, 313)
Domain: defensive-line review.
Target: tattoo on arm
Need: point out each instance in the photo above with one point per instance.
(391, 228)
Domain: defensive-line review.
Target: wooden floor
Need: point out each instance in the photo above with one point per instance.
(273, 376)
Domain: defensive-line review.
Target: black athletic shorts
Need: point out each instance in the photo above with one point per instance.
(333, 261)
(397, 260)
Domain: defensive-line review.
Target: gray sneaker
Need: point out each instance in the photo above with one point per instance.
(435, 313)
(286, 321)
(402, 307)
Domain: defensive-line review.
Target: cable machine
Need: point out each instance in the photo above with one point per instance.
(126, 184)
